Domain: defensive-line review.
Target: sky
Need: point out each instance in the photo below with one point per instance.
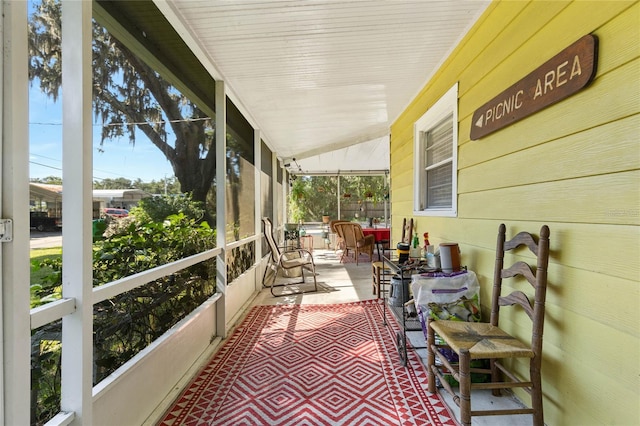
(115, 159)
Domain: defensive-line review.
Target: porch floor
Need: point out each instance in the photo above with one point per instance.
(348, 282)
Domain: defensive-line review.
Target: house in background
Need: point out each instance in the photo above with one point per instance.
(116, 198)
(47, 197)
(573, 165)
(44, 197)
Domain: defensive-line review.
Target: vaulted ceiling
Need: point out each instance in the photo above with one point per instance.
(322, 79)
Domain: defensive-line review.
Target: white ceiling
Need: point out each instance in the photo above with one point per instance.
(321, 75)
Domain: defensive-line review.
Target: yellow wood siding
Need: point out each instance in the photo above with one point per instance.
(574, 166)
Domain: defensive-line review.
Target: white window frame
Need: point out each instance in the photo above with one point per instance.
(446, 106)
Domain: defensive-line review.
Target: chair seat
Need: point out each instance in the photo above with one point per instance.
(381, 264)
(292, 262)
(367, 240)
(483, 340)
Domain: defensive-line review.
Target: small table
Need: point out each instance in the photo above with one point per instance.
(381, 235)
(291, 239)
(306, 242)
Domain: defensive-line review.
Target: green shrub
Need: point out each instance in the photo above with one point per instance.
(130, 321)
(159, 207)
(127, 323)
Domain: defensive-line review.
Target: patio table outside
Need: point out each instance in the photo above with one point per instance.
(382, 235)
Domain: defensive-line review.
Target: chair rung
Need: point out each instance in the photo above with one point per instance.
(445, 362)
(446, 385)
(480, 370)
(506, 372)
(502, 412)
(500, 385)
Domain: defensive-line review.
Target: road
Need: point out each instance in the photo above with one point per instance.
(45, 239)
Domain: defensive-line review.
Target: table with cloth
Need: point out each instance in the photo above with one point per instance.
(382, 236)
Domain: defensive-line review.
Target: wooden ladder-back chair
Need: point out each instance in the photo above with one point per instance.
(287, 260)
(354, 239)
(407, 230)
(485, 341)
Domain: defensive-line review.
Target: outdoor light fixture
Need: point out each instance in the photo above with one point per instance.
(287, 165)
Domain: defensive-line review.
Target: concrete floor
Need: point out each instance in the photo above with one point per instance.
(348, 282)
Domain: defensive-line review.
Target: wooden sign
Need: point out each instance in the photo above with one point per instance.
(560, 77)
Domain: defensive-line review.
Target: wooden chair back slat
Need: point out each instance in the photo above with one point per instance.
(519, 298)
(523, 238)
(537, 278)
(520, 268)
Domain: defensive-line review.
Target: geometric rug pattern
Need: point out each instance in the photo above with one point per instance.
(310, 365)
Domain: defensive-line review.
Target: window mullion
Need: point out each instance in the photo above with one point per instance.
(439, 164)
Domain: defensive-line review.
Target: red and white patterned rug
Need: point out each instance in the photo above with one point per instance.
(311, 365)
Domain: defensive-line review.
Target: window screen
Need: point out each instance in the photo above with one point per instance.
(438, 157)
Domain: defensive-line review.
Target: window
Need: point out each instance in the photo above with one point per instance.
(436, 158)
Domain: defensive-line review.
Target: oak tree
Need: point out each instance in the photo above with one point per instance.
(129, 95)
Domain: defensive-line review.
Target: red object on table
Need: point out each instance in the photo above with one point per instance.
(382, 235)
(379, 233)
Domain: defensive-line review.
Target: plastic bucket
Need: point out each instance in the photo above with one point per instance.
(403, 252)
(450, 257)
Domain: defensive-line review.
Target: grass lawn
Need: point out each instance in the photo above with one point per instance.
(37, 256)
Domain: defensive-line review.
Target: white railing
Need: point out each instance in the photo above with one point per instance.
(114, 288)
(54, 311)
(236, 244)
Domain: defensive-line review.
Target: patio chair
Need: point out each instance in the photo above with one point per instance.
(339, 244)
(354, 239)
(472, 341)
(288, 261)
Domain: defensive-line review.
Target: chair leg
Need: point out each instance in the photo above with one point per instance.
(345, 253)
(313, 271)
(374, 270)
(536, 392)
(465, 387)
(264, 275)
(275, 277)
(431, 358)
(495, 376)
(268, 267)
